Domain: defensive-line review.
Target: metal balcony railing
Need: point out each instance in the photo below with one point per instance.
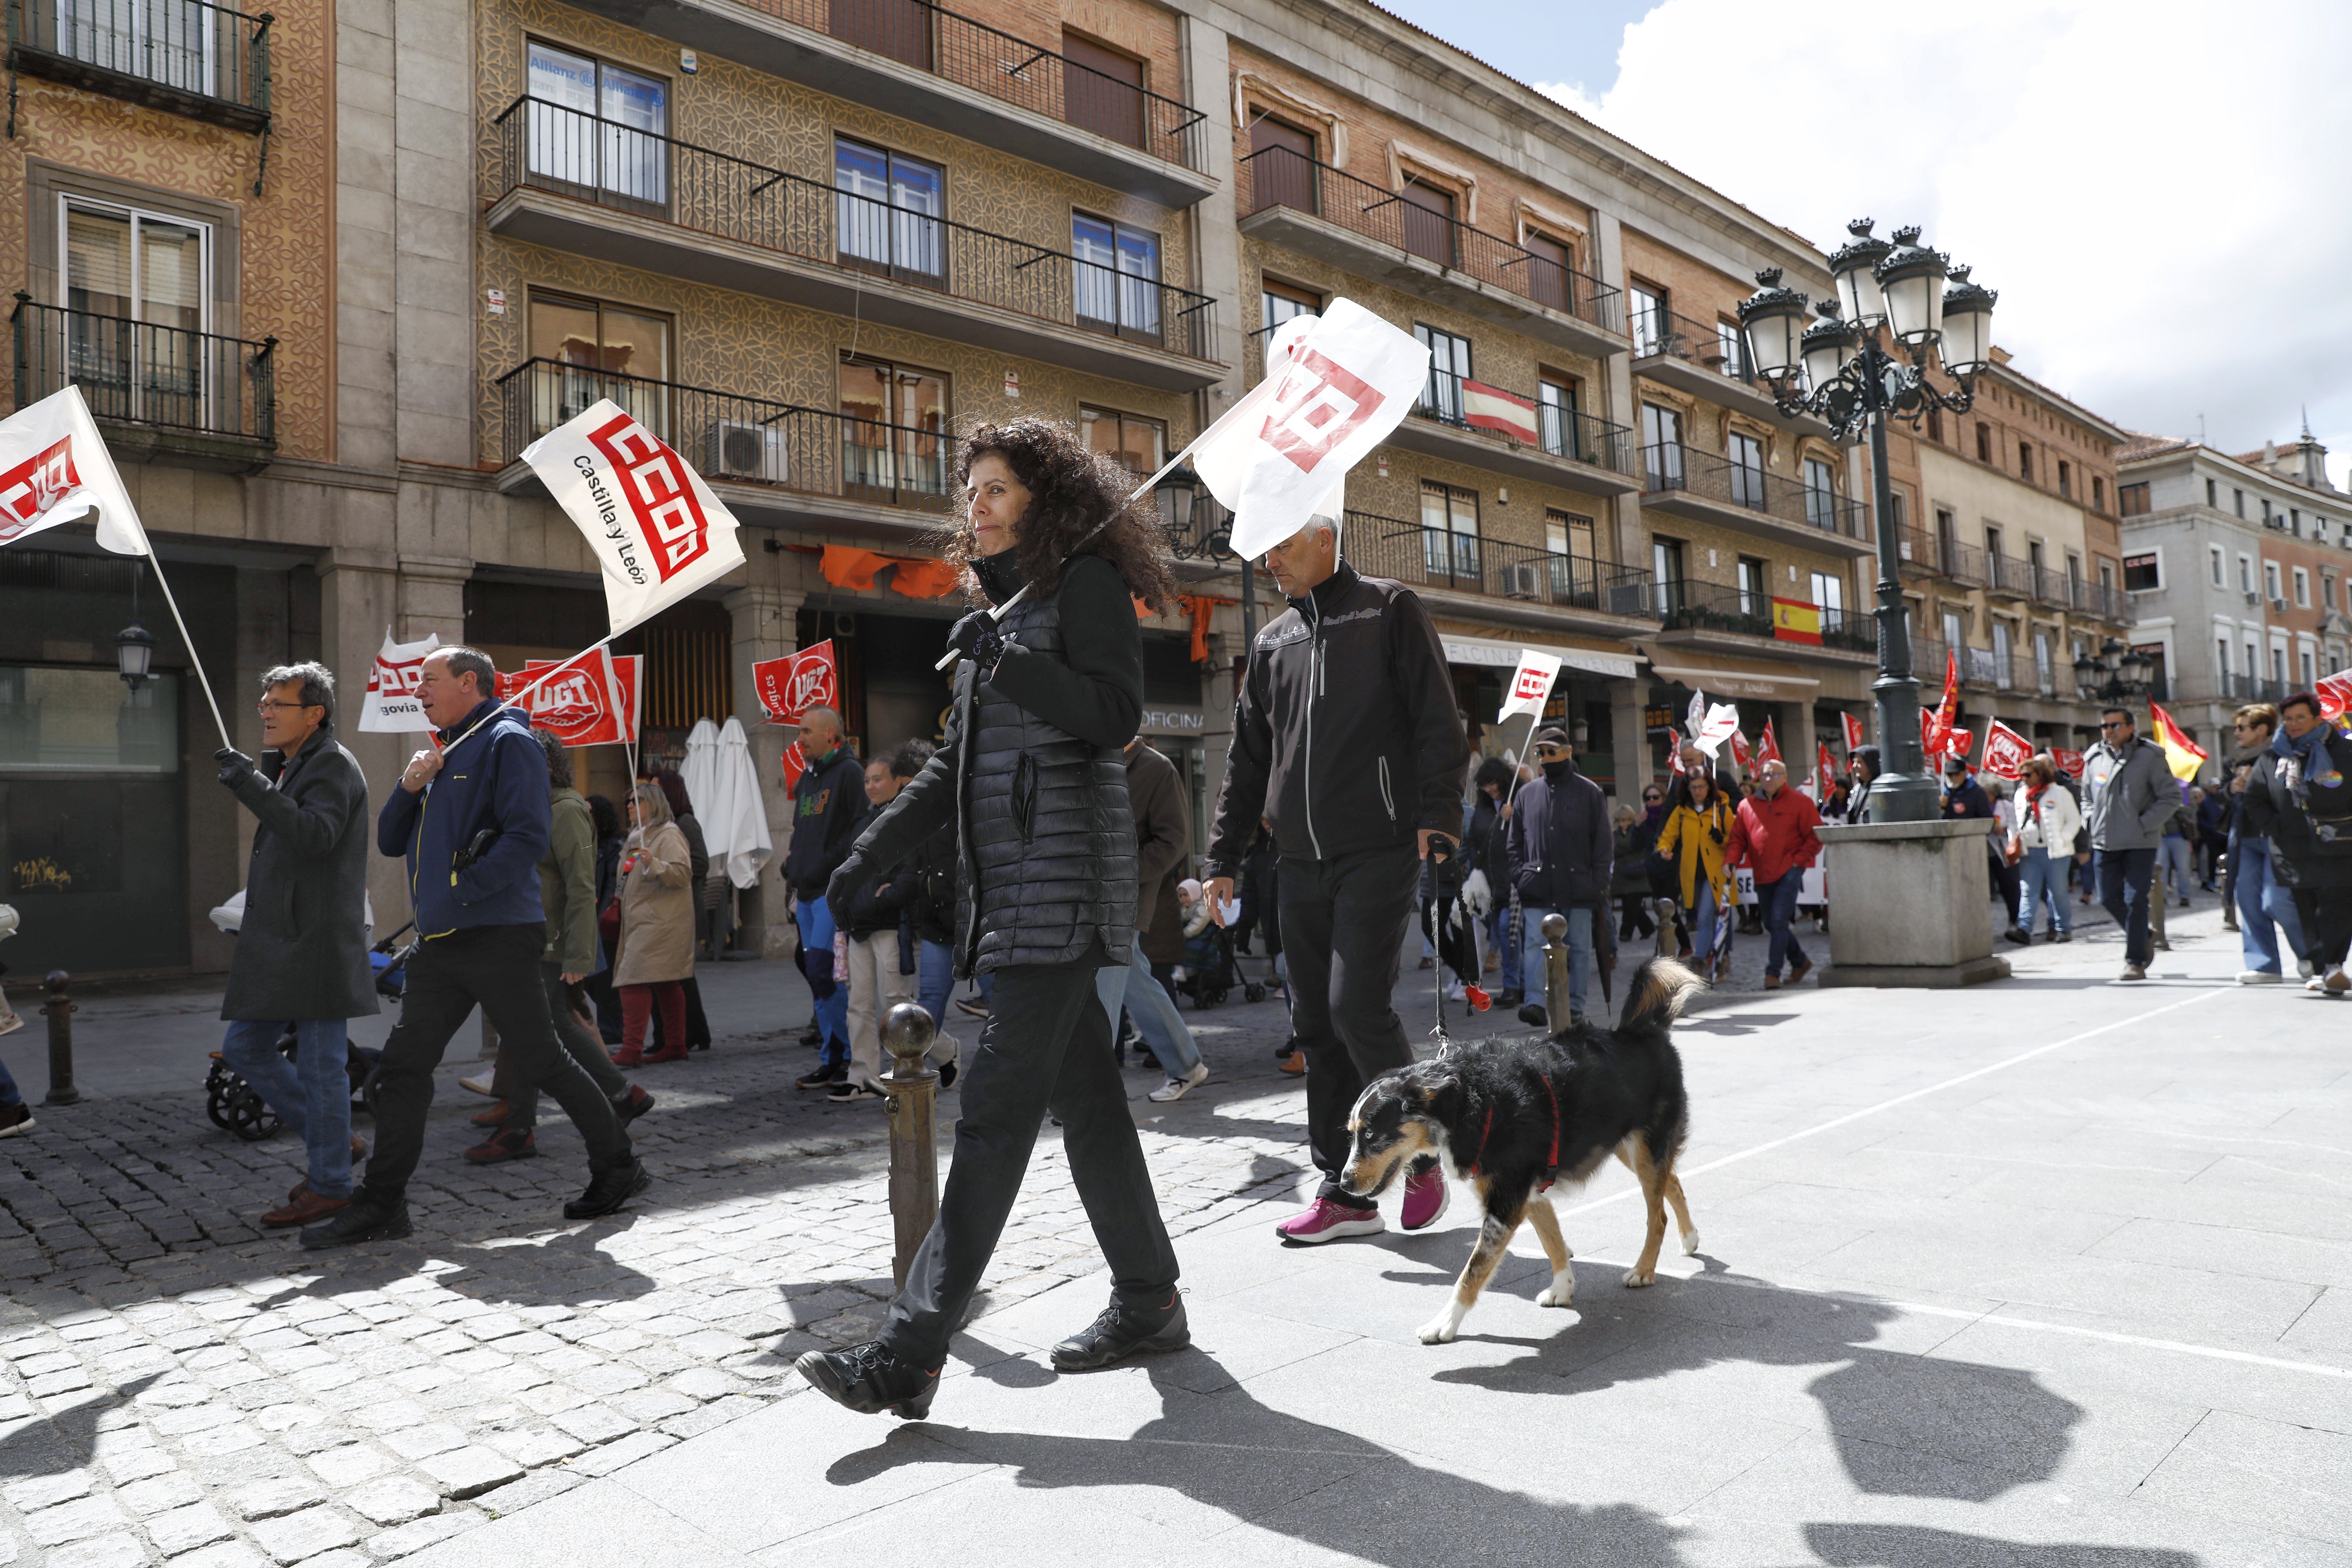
(1855, 631)
(1446, 399)
(1000, 64)
(188, 55)
(1711, 477)
(2050, 586)
(2008, 574)
(1717, 346)
(2095, 599)
(137, 372)
(2240, 689)
(545, 146)
(1282, 176)
(735, 439)
(1409, 553)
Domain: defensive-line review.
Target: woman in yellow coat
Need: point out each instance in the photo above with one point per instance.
(1692, 839)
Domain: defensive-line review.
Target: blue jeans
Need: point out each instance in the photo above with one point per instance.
(1498, 937)
(832, 996)
(934, 979)
(1579, 951)
(311, 1094)
(1703, 918)
(1162, 1027)
(9, 1095)
(1778, 901)
(2124, 876)
(2261, 902)
(2043, 878)
(2180, 863)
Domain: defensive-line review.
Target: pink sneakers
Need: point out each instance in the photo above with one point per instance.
(1425, 1197)
(1328, 1221)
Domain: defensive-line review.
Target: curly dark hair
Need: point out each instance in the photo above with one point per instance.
(1071, 489)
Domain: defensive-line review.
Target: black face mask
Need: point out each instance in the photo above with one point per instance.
(1556, 770)
(999, 574)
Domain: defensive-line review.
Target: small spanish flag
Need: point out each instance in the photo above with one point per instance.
(1797, 620)
(2183, 755)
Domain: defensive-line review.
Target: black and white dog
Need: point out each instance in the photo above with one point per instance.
(1514, 1115)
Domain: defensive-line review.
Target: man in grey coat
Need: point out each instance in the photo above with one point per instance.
(2129, 793)
(302, 955)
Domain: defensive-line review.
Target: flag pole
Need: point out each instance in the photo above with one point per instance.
(998, 612)
(165, 583)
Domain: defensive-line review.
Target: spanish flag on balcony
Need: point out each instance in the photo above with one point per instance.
(1492, 408)
(1797, 620)
(2183, 755)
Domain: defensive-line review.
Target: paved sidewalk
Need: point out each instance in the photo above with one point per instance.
(183, 1389)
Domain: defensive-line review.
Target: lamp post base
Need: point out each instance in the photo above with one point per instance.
(1908, 904)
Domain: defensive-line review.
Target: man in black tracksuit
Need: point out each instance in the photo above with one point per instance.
(1347, 737)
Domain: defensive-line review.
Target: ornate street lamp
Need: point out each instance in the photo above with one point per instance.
(1840, 370)
(134, 645)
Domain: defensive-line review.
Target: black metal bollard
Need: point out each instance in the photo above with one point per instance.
(59, 1009)
(1555, 956)
(906, 1035)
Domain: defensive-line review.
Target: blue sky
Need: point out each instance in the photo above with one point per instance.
(1566, 41)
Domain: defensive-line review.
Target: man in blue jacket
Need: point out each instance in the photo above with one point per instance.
(472, 816)
(1562, 849)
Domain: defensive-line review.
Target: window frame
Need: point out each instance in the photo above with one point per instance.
(1090, 413)
(2153, 561)
(1150, 305)
(927, 231)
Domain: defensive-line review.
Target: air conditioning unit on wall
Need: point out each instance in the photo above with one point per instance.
(1523, 580)
(743, 450)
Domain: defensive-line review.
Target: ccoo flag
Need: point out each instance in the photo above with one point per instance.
(655, 528)
(55, 468)
(1334, 385)
(1531, 684)
(392, 705)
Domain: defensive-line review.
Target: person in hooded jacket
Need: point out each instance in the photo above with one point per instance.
(1562, 849)
(473, 818)
(2300, 797)
(828, 805)
(1033, 773)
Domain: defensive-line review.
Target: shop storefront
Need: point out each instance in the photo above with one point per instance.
(1592, 684)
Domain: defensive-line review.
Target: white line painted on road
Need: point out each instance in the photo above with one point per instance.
(1905, 1098)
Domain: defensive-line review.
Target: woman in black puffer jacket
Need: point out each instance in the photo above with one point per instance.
(1032, 773)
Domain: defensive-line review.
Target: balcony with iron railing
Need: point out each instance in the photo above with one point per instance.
(1494, 569)
(185, 56)
(939, 67)
(770, 458)
(1466, 421)
(1933, 555)
(574, 182)
(158, 394)
(1695, 612)
(1286, 197)
(2008, 576)
(1709, 487)
(1709, 360)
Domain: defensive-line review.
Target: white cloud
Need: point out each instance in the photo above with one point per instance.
(2157, 187)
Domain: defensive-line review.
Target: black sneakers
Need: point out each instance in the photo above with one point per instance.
(1121, 1333)
(823, 1077)
(609, 1188)
(869, 1380)
(367, 1219)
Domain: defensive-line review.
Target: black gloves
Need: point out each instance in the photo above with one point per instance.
(234, 765)
(1445, 866)
(847, 883)
(976, 638)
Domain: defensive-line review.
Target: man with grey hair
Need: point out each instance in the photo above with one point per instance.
(301, 958)
(1347, 739)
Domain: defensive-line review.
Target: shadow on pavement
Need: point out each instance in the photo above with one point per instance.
(1911, 1546)
(1317, 1484)
(66, 1441)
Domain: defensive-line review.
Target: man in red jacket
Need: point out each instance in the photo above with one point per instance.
(1773, 837)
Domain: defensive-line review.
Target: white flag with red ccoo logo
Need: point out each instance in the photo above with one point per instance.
(392, 705)
(1334, 385)
(656, 530)
(1531, 685)
(55, 468)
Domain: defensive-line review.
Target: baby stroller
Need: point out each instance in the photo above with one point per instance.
(1209, 971)
(236, 1106)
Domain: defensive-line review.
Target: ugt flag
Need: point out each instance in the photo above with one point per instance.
(791, 685)
(1852, 731)
(55, 468)
(656, 530)
(1768, 747)
(391, 706)
(1531, 685)
(1334, 385)
(588, 700)
(2005, 752)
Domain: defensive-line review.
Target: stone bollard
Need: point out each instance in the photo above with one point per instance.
(1555, 956)
(906, 1035)
(1664, 911)
(59, 1009)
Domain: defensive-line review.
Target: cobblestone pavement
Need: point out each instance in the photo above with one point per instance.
(179, 1386)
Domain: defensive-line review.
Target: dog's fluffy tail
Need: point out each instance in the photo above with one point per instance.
(1655, 999)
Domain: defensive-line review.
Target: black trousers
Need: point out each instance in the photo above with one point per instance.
(579, 1043)
(1046, 1046)
(1343, 928)
(2326, 916)
(498, 967)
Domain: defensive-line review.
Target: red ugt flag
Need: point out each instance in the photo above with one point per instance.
(1853, 737)
(789, 686)
(1824, 773)
(2005, 752)
(1768, 749)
